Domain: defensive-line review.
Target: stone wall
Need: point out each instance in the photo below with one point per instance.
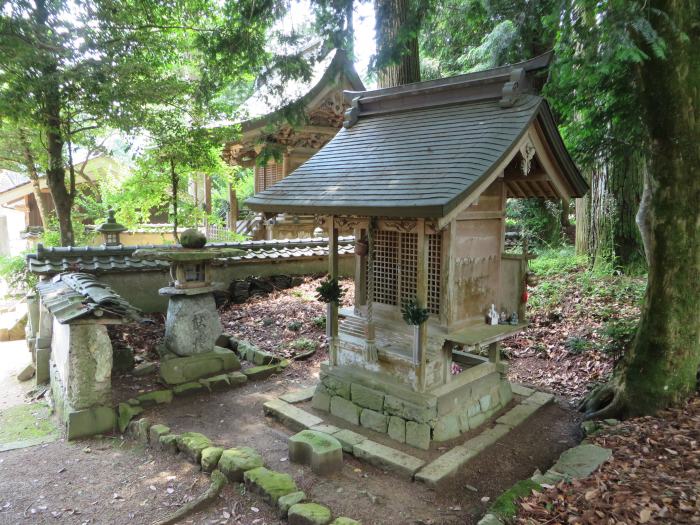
(419, 420)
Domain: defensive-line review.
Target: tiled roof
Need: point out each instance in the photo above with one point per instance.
(100, 259)
(71, 296)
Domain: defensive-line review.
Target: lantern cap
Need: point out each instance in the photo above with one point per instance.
(110, 225)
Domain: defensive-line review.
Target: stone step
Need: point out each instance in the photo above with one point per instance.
(388, 458)
(299, 396)
(291, 416)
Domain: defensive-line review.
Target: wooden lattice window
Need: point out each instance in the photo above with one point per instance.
(408, 266)
(386, 266)
(266, 176)
(194, 273)
(434, 271)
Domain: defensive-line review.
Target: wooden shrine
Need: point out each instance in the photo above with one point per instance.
(422, 173)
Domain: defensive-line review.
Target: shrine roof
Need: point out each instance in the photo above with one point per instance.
(72, 296)
(107, 259)
(420, 150)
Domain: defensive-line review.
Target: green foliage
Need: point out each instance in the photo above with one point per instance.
(15, 272)
(619, 334)
(295, 326)
(577, 345)
(320, 322)
(413, 314)
(557, 261)
(330, 291)
(303, 345)
(539, 220)
(505, 506)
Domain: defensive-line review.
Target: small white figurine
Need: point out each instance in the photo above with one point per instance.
(493, 315)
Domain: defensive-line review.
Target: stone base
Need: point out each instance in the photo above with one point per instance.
(192, 325)
(178, 370)
(414, 418)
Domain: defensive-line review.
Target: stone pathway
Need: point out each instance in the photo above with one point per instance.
(401, 463)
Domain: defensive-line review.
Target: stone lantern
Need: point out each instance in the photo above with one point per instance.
(110, 230)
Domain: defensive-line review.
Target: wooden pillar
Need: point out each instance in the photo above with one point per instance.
(360, 276)
(495, 352)
(332, 312)
(232, 208)
(370, 344)
(207, 194)
(422, 299)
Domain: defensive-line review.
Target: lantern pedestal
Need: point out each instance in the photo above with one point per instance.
(192, 324)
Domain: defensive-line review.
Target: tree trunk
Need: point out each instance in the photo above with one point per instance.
(396, 28)
(583, 223)
(174, 182)
(55, 172)
(660, 367)
(30, 164)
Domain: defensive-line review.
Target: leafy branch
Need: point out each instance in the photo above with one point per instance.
(330, 291)
(413, 314)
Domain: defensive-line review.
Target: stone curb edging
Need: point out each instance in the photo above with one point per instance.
(399, 462)
(276, 488)
(575, 463)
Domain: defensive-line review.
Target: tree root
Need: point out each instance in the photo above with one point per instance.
(218, 480)
(605, 401)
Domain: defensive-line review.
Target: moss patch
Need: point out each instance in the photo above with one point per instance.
(505, 505)
(235, 462)
(191, 444)
(269, 484)
(210, 458)
(26, 425)
(309, 514)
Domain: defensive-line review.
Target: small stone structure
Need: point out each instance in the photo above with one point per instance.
(73, 350)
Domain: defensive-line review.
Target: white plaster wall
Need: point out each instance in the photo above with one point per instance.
(60, 350)
(15, 226)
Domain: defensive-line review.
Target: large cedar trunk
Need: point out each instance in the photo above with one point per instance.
(660, 367)
(397, 43)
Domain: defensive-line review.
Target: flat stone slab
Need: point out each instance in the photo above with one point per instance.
(388, 458)
(269, 484)
(309, 514)
(348, 439)
(581, 461)
(156, 397)
(521, 390)
(518, 414)
(345, 521)
(291, 416)
(321, 451)
(450, 462)
(539, 398)
(286, 502)
(299, 396)
(178, 370)
(261, 372)
(235, 462)
(326, 429)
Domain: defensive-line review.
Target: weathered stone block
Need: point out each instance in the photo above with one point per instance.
(388, 458)
(446, 428)
(505, 393)
(326, 429)
(309, 514)
(485, 402)
(168, 443)
(217, 382)
(260, 372)
(321, 451)
(155, 433)
(192, 324)
(178, 370)
(348, 439)
(518, 414)
(298, 396)
(191, 444)
(235, 462)
(397, 429)
(139, 430)
(269, 484)
(291, 416)
(474, 409)
(477, 420)
(539, 398)
(237, 378)
(144, 369)
(43, 357)
(187, 389)
(321, 400)
(521, 390)
(126, 413)
(286, 502)
(90, 421)
(344, 521)
(210, 458)
(374, 420)
(345, 409)
(336, 386)
(409, 411)
(366, 397)
(157, 397)
(418, 435)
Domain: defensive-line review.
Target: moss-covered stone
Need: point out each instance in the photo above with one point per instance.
(191, 444)
(187, 389)
(139, 430)
(397, 429)
(366, 397)
(178, 370)
(321, 451)
(344, 521)
(269, 484)
(192, 238)
(505, 505)
(237, 378)
(218, 382)
(309, 514)
(374, 420)
(168, 443)
(260, 372)
(155, 433)
(91, 421)
(345, 409)
(210, 458)
(127, 412)
(418, 435)
(157, 397)
(336, 386)
(234, 462)
(447, 427)
(285, 502)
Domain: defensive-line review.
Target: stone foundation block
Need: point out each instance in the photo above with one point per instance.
(139, 430)
(348, 439)
(336, 387)
(485, 402)
(192, 325)
(309, 514)
(168, 443)
(237, 378)
(269, 484)
(366, 397)
(538, 398)
(91, 421)
(411, 412)
(505, 393)
(388, 458)
(43, 356)
(192, 444)
(155, 433)
(127, 412)
(299, 396)
(518, 414)
(235, 462)
(286, 502)
(178, 370)
(321, 400)
(446, 428)
(217, 382)
(418, 435)
(157, 397)
(321, 451)
(187, 389)
(260, 372)
(477, 420)
(344, 409)
(291, 416)
(397, 429)
(326, 429)
(374, 420)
